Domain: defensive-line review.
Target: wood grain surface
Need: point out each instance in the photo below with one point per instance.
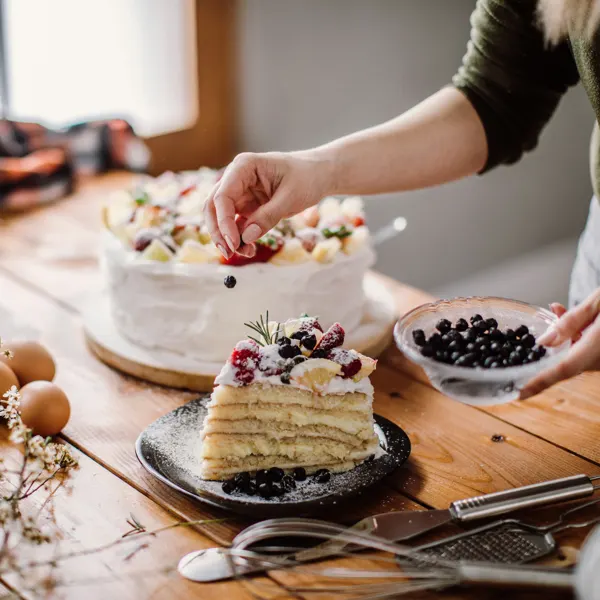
(49, 272)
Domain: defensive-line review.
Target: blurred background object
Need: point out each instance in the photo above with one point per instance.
(204, 79)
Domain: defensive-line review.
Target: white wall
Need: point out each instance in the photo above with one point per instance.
(312, 70)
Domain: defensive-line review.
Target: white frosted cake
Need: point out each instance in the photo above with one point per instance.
(290, 397)
(166, 278)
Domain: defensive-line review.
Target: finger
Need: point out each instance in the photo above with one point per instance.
(210, 218)
(266, 217)
(558, 309)
(573, 322)
(247, 250)
(578, 360)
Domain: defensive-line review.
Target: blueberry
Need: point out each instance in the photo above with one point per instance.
(435, 340)
(540, 351)
(521, 351)
(484, 350)
(455, 335)
(241, 479)
(514, 358)
(497, 335)
(427, 350)
(277, 490)
(322, 476)
(446, 339)
(442, 356)
(275, 474)
(265, 490)
(475, 318)
(466, 360)
(471, 335)
(299, 473)
(288, 483)
(419, 337)
(489, 361)
(461, 325)
(528, 341)
(250, 488)
(532, 357)
(510, 334)
(319, 353)
(230, 281)
(481, 325)
(262, 476)
(492, 323)
(284, 341)
(309, 342)
(455, 356)
(443, 325)
(285, 378)
(289, 351)
(476, 364)
(471, 347)
(495, 348)
(522, 330)
(454, 346)
(229, 486)
(495, 365)
(299, 359)
(506, 349)
(480, 341)
(299, 335)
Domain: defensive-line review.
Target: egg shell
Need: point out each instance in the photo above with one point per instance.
(44, 407)
(30, 362)
(7, 379)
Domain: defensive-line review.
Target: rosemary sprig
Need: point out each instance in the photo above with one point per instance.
(261, 327)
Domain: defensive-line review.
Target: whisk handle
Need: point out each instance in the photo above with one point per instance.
(514, 576)
(529, 496)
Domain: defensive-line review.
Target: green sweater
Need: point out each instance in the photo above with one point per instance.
(515, 80)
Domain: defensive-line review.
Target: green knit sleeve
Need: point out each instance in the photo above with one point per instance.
(512, 78)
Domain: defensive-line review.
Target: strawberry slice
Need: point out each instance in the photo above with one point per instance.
(245, 359)
(332, 338)
(349, 360)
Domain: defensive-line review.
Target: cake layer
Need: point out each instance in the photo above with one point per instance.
(279, 430)
(234, 446)
(287, 395)
(352, 422)
(186, 309)
(219, 469)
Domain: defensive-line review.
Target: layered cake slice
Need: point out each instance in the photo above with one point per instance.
(290, 397)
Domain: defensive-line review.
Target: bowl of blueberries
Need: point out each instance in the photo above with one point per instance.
(478, 350)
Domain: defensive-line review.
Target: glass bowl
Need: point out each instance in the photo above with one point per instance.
(477, 386)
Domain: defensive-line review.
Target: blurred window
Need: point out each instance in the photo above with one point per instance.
(71, 60)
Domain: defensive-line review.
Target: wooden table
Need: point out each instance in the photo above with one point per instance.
(48, 272)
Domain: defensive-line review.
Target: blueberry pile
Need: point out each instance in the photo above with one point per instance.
(479, 344)
(272, 483)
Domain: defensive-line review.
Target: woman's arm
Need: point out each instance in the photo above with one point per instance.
(439, 140)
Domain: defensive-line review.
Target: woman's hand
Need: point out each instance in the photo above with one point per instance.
(257, 191)
(581, 325)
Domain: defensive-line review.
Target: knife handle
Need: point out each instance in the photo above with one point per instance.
(529, 496)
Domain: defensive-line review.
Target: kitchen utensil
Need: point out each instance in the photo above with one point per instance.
(508, 541)
(480, 387)
(214, 564)
(428, 573)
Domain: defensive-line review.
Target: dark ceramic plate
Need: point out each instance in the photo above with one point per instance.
(169, 450)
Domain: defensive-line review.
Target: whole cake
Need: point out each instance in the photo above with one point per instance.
(290, 397)
(166, 278)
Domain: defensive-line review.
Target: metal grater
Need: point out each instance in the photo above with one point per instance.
(506, 543)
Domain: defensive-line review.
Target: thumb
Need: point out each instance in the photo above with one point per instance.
(266, 216)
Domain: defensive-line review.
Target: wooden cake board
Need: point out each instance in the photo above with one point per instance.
(178, 371)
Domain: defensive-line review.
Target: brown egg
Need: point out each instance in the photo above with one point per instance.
(44, 407)
(7, 379)
(31, 362)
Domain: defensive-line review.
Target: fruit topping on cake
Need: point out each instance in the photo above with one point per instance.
(278, 410)
(168, 210)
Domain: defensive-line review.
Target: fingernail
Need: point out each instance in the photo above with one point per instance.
(549, 337)
(230, 243)
(222, 250)
(251, 233)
